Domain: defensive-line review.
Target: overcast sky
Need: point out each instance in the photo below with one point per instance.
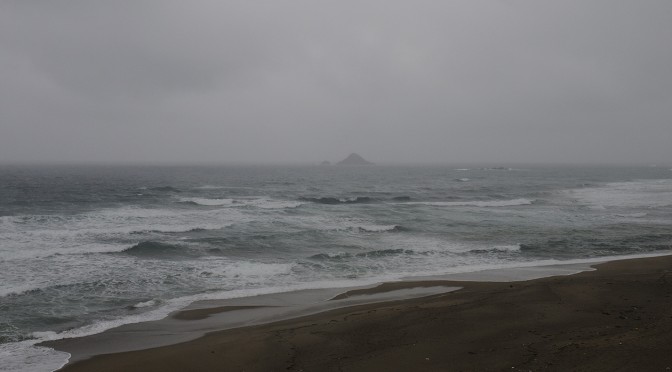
(569, 81)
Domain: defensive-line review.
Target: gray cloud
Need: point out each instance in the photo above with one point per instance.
(397, 81)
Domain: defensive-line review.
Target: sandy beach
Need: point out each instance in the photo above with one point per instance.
(618, 317)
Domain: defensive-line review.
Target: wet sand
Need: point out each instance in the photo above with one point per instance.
(616, 318)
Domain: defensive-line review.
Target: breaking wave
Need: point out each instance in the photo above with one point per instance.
(379, 228)
(331, 200)
(369, 254)
(144, 304)
(207, 202)
(643, 194)
(152, 249)
(104, 230)
(478, 203)
(497, 249)
(262, 203)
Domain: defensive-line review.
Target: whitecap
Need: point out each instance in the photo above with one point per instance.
(644, 193)
(376, 228)
(144, 304)
(510, 248)
(478, 203)
(260, 202)
(101, 231)
(207, 202)
(273, 203)
(12, 289)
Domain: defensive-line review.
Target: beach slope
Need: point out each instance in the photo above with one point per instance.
(616, 318)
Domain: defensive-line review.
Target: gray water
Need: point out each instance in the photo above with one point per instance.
(83, 249)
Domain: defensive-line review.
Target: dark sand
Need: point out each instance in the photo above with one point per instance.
(617, 318)
(199, 314)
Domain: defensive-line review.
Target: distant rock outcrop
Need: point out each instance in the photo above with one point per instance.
(354, 159)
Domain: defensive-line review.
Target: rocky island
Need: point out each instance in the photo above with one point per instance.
(354, 159)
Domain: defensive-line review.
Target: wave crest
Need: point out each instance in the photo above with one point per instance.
(262, 203)
(206, 201)
(370, 254)
(152, 249)
(634, 194)
(379, 228)
(497, 249)
(478, 203)
(331, 200)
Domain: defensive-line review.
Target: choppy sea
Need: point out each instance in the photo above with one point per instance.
(87, 248)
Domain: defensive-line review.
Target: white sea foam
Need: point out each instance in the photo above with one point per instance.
(511, 248)
(208, 202)
(103, 230)
(144, 304)
(26, 357)
(247, 271)
(275, 204)
(477, 203)
(645, 194)
(263, 203)
(7, 289)
(21, 276)
(477, 267)
(359, 226)
(349, 224)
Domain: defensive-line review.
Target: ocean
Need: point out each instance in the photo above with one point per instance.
(87, 248)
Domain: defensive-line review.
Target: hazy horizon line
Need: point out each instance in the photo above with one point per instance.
(332, 163)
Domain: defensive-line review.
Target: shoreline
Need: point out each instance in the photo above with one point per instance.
(222, 314)
(112, 339)
(328, 319)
